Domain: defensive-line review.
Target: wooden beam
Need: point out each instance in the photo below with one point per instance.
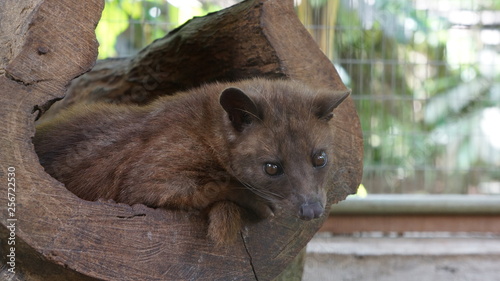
(347, 224)
(419, 213)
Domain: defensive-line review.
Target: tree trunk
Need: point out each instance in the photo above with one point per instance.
(46, 43)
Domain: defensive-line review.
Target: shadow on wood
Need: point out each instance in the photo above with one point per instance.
(46, 43)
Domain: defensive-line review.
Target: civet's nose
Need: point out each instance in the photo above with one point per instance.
(311, 210)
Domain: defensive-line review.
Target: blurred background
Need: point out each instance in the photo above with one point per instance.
(425, 76)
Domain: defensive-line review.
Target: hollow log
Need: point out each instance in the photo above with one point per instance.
(44, 44)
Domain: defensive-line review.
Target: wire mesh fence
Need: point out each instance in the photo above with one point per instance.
(425, 76)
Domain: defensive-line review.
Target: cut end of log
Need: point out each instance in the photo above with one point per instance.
(62, 237)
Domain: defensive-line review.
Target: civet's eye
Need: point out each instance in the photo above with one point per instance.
(273, 169)
(319, 159)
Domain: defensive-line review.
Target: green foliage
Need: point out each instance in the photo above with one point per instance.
(420, 95)
(114, 21)
(127, 26)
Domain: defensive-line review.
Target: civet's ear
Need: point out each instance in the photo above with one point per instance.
(326, 103)
(240, 108)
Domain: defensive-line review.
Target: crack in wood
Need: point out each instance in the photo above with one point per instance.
(22, 82)
(132, 216)
(249, 256)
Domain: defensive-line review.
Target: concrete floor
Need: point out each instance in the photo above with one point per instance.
(403, 259)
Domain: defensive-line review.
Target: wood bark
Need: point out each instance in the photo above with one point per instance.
(44, 44)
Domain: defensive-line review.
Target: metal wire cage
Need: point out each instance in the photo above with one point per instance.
(426, 79)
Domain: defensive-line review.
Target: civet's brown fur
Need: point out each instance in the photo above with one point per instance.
(198, 150)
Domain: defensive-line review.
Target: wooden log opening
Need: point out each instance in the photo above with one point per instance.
(44, 44)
